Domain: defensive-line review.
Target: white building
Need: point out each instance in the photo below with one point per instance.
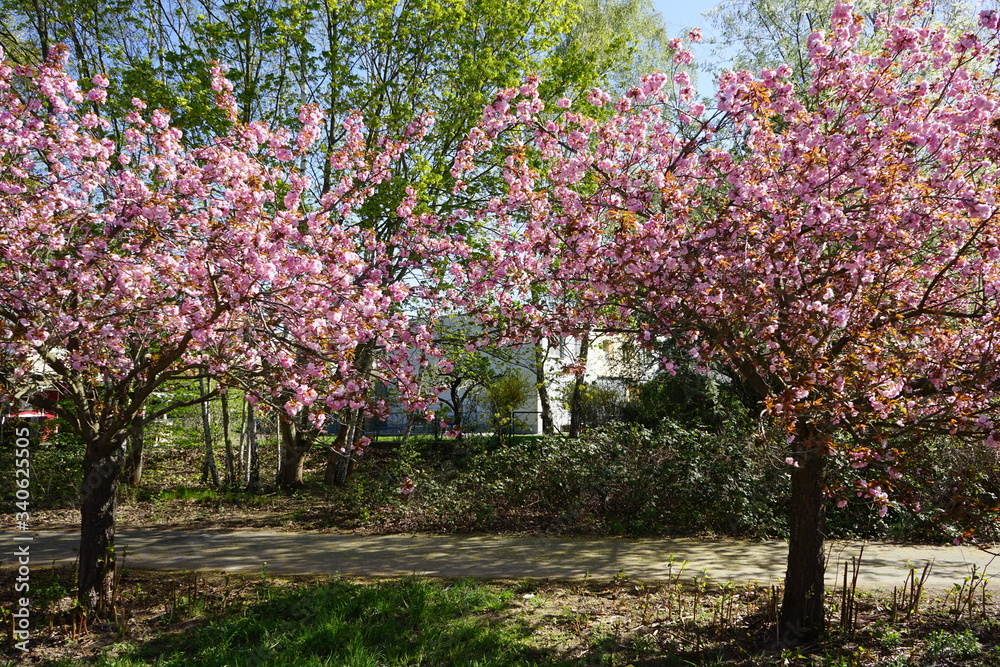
(612, 364)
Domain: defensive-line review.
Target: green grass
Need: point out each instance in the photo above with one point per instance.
(960, 645)
(408, 622)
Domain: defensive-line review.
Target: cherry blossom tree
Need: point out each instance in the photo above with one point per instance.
(126, 266)
(837, 245)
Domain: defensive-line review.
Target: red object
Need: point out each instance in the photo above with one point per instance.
(29, 414)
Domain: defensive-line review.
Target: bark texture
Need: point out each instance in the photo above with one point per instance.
(294, 446)
(137, 441)
(101, 468)
(543, 392)
(802, 610)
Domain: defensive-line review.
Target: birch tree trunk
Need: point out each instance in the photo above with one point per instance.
(208, 468)
(227, 440)
(576, 402)
(253, 455)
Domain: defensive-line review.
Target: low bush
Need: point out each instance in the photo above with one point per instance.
(621, 479)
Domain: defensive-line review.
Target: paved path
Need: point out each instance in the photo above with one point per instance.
(884, 565)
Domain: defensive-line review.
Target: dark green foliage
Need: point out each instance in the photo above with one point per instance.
(600, 403)
(694, 399)
(695, 464)
(621, 480)
(707, 476)
(941, 489)
(55, 461)
(957, 486)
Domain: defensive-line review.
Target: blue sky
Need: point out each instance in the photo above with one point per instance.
(678, 14)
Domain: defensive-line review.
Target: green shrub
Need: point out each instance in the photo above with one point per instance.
(504, 395)
(56, 461)
(698, 400)
(628, 479)
(960, 645)
(599, 403)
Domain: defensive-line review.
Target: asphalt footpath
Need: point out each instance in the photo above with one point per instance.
(883, 566)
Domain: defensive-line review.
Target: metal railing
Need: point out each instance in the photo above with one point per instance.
(519, 422)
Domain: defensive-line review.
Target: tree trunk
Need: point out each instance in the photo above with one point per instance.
(133, 464)
(576, 401)
(802, 610)
(334, 453)
(340, 462)
(278, 447)
(253, 455)
(458, 405)
(227, 440)
(208, 468)
(543, 392)
(338, 450)
(242, 462)
(345, 467)
(294, 446)
(408, 429)
(101, 468)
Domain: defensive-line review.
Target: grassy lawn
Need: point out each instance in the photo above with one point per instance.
(343, 623)
(254, 620)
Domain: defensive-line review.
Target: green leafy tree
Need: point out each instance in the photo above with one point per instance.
(505, 394)
(465, 375)
(617, 41)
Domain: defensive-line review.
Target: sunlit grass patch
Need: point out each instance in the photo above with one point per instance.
(404, 622)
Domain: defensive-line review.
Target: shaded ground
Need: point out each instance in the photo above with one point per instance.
(179, 617)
